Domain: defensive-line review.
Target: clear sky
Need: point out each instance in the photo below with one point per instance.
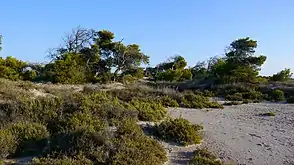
(194, 29)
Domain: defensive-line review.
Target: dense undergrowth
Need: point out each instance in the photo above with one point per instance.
(92, 126)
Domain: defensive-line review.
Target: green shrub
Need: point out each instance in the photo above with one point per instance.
(253, 95)
(191, 100)
(267, 114)
(234, 97)
(128, 79)
(167, 101)
(246, 101)
(132, 147)
(81, 120)
(204, 157)
(7, 143)
(277, 95)
(178, 130)
(76, 160)
(31, 138)
(290, 100)
(148, 110)
(91, 144)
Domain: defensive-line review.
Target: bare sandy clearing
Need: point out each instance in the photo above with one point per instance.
(239, 133)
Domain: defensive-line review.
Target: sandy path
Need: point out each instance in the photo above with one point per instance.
(240, 134)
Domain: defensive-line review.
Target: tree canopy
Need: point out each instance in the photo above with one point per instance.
(90, 56)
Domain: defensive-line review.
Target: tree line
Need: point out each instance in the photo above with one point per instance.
(90, 56)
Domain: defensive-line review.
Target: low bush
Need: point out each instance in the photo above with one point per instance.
(277, 95)
(290, 100)
(64, 160)
(204, 157)
(31, 138)
(7, 143)
(234, 97)
(178, 130)
(132, 147)
(196, 101)
(167, 101)
(148, 110)
(267, 114)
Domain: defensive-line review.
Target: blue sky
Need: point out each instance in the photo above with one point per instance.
(194, 29)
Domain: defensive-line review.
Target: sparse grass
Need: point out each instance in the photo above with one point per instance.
(204, 157)
(267, 114)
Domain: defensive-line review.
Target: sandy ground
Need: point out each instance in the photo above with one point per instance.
(239, 134)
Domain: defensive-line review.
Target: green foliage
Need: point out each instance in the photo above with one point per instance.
(186, 75)
(64, 160)
(204, 157)
(178, 130)
(133, 147)
(277, 95)
(134, 72)
(7, 143)
(11, 68)
(283, 75)
(31, 138)
(290, 100)
(29, 75)
(235, 97)
(66, 70)
(128, 79)
(267, 114)
(173, 70)
(148, 110)
(191, 100)
(167, 101)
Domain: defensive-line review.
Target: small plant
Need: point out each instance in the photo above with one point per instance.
(246, 101)
(234, 97)
(148, 110)
(64, 160)
(191, 100)
(267, 114)
(290, 100)
(277, 95)
(7, 144)
(204, 157)
(178, 130)
(31, 138)
(168, 101)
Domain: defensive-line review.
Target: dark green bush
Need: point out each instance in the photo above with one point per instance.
(277, 95)
(191, 100)
(290, 100)
(64, 160)
(148, 110)
(167, 101)
(132, 147)
(93, 145)
(234, 97)
(178, 130)
(204, 157)
(252, 95)
(31, 138)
